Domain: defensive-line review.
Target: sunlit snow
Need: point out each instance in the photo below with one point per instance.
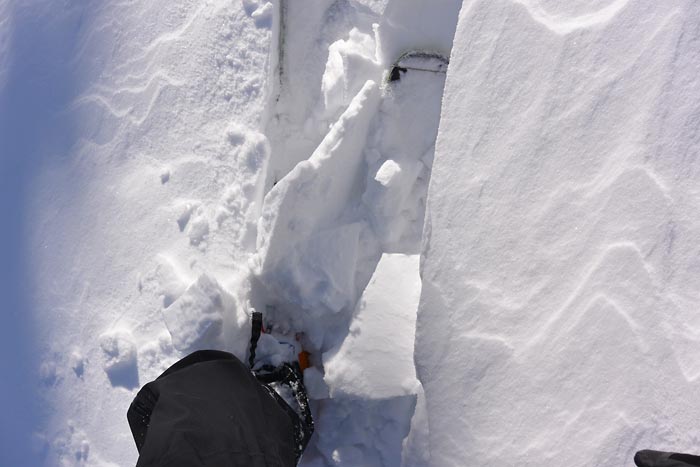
(479, 217)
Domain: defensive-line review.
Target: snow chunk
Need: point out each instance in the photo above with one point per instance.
(72, 446)
(120, 358)
(387, 172)
(263, 15)
(376, 359)
(320, 272)
(196, 317)
(167, 280)
(198, 230)
(350, 63)
(307, 202)
(156, 356)
(394, 203)
(250, 6)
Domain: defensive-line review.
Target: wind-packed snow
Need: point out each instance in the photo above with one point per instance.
(182, 164)
(143, 203)
(558, 321)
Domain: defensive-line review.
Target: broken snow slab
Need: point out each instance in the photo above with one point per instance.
(375, 361)
(196, 317)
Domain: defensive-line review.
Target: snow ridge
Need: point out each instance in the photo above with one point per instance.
(566, 22)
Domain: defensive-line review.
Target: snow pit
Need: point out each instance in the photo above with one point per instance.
(308, 201)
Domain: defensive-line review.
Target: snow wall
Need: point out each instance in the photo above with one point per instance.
(558, 321)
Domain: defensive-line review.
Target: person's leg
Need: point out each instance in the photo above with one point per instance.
(649, 458)
(206, 410)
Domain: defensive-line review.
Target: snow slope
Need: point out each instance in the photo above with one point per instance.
(558, 321)
(178, 164)
(196, 161)
(142, 214)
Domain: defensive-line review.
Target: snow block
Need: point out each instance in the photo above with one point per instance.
(375, 361)
(307, 202)
(196, 316)
(391, 202)
(320, 272)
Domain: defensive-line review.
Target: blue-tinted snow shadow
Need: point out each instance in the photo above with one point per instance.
(126, 376)
(39, 82)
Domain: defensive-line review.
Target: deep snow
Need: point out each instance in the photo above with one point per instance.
(180, 164)
(558, 323)
(200, 180)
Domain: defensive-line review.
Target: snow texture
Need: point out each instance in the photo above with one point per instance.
(375, 361)
(168, 167)
(304, 204)
(558, 322)
(204, 160)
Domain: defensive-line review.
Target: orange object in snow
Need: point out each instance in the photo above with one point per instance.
(304, 360)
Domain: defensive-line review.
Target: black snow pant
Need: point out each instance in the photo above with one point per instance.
(208, 410)
(649, 458)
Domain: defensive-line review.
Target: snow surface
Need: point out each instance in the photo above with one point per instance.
(381, 338)
(168, 167)
(558, 322)
(146, 180)
(194, 162)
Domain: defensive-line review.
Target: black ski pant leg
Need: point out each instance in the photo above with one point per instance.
(208, 410)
